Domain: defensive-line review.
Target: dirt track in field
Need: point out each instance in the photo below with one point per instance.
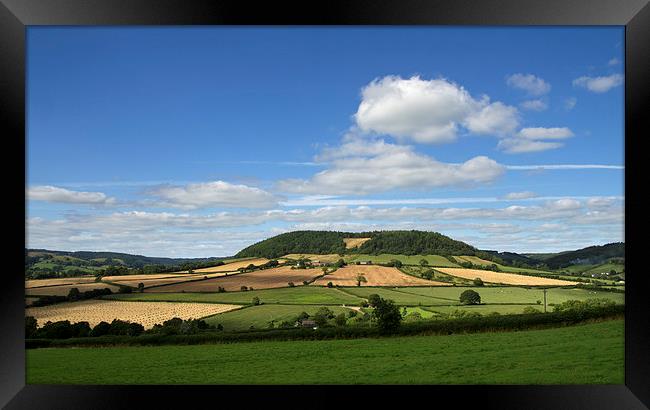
(261, 279)
(505, 278)
(376, 276)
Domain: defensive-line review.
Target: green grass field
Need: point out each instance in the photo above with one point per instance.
(260, 316)
(301, 295)
(484, 309)
(582, 354)
(434, 260)
(513, 295)
(397, 296)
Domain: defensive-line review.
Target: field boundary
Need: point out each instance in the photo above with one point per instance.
(501, 323)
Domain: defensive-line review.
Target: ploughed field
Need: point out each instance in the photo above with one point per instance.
(157, 280)
(375, 276)
(147, 314)
(260, 279)
(233, 266)
(581, 354)
(504, 278)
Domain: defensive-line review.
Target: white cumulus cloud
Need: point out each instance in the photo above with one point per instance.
(214, 194)
(386, 167)
(540, 133)
(429, 111)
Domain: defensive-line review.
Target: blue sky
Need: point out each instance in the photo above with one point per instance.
(194, 142)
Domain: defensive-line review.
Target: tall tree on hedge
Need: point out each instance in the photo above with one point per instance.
(387, 316)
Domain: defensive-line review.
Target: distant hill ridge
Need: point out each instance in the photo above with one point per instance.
(127, 259)
(328, 242)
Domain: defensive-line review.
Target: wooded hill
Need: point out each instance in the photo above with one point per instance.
(327, 242)
(587, 256)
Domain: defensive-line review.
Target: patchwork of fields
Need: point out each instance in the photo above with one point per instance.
(261, 279)
(196, 295)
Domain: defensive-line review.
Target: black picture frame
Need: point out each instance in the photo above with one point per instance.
(15, 15)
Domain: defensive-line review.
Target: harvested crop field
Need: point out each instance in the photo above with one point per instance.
(473, 259)
(327, 258)
(36, 283)
(145, 313)
(261, 279)
(376, 276)
(504, 278)
(63, 290)
(354, 242)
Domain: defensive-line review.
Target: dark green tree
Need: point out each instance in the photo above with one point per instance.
(470, 297)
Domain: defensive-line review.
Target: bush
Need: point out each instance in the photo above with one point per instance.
(330, 285)
(244, 288)
(256, 301)
(470, 297)
(291, 284)
(101, 329)
(373, 299)
(530, 310)
(340, 320)
(30, 326)
(478, 282)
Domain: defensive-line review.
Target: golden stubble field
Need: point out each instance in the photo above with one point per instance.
(145, 313)
(376, 276)
(262, 279)
(36, 283)
(505, 278)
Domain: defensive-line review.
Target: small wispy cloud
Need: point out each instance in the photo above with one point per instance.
(599, 84)
(562, 167)
(55, 194)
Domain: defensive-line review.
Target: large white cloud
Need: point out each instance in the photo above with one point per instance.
(529, 82)
(213, 195)
(61, 195)
(383, 167)
(599, 84)
(429, 111)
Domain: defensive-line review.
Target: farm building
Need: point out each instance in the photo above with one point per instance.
(308, 323)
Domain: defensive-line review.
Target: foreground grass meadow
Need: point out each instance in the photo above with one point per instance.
(583, 354)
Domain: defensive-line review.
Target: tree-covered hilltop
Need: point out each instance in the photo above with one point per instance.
(327, 242)
(415, 243)
(320, 242)
(587, 256)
